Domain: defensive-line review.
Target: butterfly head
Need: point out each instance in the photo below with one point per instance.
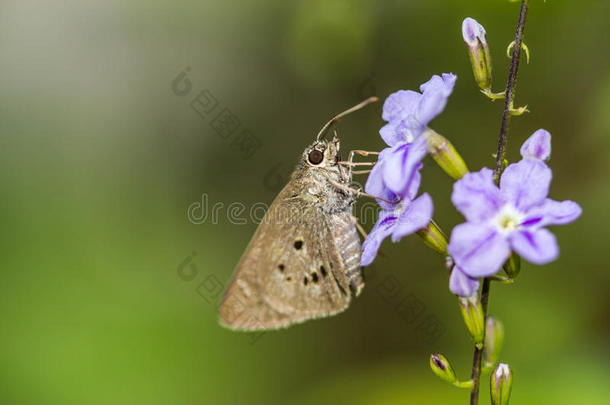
(323, 154)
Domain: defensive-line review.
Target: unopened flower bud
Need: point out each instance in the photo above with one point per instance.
(445, 154)
(441, 367)
(494, 338)
(478, 51)
(434, 237)
(512, 267)
(501, 384)
(472, 312)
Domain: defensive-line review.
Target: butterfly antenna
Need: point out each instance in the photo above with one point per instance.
(343, 114)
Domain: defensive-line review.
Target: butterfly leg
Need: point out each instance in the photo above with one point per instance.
(350, 166)
(361, 153)
(359, 192)
(359, 227)
(350, 160)
(348, 163)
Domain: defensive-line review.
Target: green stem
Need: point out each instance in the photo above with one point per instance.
(478, 350)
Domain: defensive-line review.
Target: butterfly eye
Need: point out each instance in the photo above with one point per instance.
(315, 157)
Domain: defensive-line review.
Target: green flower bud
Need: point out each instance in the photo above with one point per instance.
(476, 41)
(494, 338)
(472, 312)
(512, 267)
(445, 154)
(434, 237)
(441, 367)
(501, 384)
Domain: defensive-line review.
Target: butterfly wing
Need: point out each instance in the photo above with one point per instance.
(292, 270)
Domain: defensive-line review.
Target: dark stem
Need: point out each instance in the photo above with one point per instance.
(499, 168)
(510, 91)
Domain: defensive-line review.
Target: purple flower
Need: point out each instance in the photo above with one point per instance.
(396, 175)
(510, 217)
(399, 219)
(408, 114)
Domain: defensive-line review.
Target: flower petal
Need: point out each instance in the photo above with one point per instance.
(401, 164)
(537, 146)
(461, 284)
(376, 187)
(536, 246)
(401, 130)
(443, 84)
(413, 186)
(382, 229)
(552, 212)
(415, 216)
(374, 182)
(476, 196)
(389, 133)
(400, 104)
(526, 183)
(478, 249)
(431, 105)
(435, 91)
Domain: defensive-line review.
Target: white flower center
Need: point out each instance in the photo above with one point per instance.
(400, 207)
(404, 130)
(409, 137)
(508, 219)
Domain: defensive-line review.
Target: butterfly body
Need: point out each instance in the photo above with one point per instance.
(303, 261)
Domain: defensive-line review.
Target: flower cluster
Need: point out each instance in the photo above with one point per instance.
(511, 217)
(507, 211)
(395, 177)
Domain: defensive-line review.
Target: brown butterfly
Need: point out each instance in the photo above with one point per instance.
(303, 262)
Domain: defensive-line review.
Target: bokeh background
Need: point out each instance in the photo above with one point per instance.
(109, 292)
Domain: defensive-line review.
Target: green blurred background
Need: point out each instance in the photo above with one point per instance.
(100, 159)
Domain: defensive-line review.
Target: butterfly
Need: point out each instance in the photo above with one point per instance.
(303, 261)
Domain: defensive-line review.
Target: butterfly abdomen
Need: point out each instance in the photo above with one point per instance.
(348, 245)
